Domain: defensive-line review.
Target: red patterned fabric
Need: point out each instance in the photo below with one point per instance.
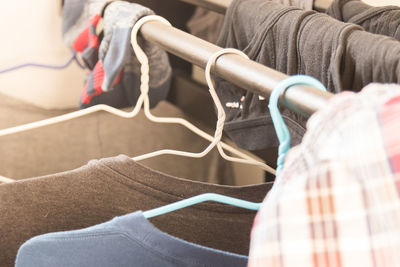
(337, 200)
(93, 84)
(88, 37)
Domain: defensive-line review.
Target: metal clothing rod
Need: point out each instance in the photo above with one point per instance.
(250, 75)
(221, 6)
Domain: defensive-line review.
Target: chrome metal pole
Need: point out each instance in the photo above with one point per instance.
(245, 73)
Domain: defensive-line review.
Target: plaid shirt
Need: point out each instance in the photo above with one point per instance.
(337, 200)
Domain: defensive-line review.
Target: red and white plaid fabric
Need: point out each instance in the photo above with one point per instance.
(337, 200)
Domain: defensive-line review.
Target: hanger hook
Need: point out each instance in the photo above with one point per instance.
(140, 55)
(280, 127)
(220, 109)
(144, 98)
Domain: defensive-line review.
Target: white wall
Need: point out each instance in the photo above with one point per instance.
(31, 31)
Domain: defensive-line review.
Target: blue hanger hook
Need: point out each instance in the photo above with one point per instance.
(280, 127)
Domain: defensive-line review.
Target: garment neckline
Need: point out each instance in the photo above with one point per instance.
(193, 254)
(167, 188)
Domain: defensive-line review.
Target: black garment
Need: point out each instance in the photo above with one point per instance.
(293, 41)
(383, 20)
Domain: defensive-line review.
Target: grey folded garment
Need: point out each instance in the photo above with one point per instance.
(293, 41)
(383, 20)
(114, 76)
(70, 144)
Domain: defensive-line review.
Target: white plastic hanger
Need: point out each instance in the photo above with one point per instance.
(210, 84)
(144, 88)
(283, 136)
(6, 180)
(218, 133)
(119, 113)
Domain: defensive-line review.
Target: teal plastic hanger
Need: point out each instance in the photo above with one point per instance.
(280, 127)
(201, 198)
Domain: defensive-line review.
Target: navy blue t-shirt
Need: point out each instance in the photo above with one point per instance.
(129, 240)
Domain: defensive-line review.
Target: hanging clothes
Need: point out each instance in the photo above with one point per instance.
(207, 24)
(103, 189)
(114, 76)
(124, 241)
(336, 202)
(383, 20)
(293, 41)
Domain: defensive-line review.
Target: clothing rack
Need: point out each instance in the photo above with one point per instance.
(220, 6)
(250, 75)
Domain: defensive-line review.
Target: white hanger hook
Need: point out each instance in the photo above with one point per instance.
(144, 98)
(220, 109)
(138, 51)
(140, 55)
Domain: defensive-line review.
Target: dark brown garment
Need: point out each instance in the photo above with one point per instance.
(71, 144)
(110, 187)
(383, 20)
